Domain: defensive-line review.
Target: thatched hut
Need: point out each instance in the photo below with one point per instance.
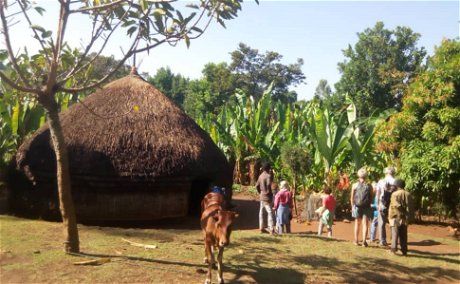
(134, 155)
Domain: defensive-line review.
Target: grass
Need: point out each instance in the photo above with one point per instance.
(32, 252)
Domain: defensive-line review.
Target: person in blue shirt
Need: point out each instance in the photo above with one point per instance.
(375, 207)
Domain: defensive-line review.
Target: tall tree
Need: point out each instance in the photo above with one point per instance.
(254, 72)
(214, 89)
(323, 90)
(50, 71)
(173, 86)
(426, 133)
(379, 67)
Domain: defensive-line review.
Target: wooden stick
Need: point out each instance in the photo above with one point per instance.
(98, 261)
(140, 245)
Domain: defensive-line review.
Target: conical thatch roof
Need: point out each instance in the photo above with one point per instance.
(128, 129)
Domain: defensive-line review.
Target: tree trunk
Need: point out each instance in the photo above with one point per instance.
(237, 172)
(294, 194)
(66, 206)
(252, 172)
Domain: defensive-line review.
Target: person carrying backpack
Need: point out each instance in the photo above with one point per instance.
(384, 189)
(361, 198)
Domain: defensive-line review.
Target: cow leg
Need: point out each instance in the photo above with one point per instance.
(205, 259)
(220, 256)
(209, 260)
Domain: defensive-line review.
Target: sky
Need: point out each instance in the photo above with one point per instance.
(316, 31)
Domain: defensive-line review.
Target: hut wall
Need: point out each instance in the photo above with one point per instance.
(132, 206)
(130, 199)
(103, 199)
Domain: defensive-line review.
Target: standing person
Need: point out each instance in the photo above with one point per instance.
(384, 192)
(344, 182)
(263, 186)
(275, 191)
(327, 214)
(361, 197)
(283, 207)
(399, 213)
(375, 209)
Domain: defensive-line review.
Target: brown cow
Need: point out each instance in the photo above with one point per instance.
(216, 225)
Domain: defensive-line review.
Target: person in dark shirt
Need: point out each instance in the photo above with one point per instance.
(263, 186)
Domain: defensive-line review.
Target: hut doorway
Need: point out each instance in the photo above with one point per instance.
(198, 190)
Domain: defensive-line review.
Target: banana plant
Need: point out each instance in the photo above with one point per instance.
(361, 139)
(20, 116)
(331, 136)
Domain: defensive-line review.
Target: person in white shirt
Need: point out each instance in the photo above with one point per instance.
(383, 202)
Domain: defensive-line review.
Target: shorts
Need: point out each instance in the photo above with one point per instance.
(358, 212)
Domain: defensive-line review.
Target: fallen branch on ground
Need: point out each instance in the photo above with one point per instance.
(98, 261)
(140, 245)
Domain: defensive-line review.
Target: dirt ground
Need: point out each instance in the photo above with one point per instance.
(422, 238)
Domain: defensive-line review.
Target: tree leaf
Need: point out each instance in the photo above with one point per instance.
(187, 41)
(15, 118)
(39, 10)
(159, 12)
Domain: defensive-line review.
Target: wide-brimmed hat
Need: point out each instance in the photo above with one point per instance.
(284, 185)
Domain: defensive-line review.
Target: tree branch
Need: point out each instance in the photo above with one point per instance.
(100, 7)
(16, 86)
(77, 68)
(106, 77)
(24, 12)
(63, 17)
(12, 58)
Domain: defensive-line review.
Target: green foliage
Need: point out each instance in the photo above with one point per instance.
(379, 67)
(323, 90)
(427, 131)
(20, 116)
(330, 136)
(254, 72)
(362, 138)
(173, 86)
(296, 159)
(212, 91)
(249, 131)
(249, 73)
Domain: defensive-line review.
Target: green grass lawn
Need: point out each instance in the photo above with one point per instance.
(32, 252)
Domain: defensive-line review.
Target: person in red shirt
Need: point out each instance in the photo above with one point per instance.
(327, 212)
(344, 182)
(283, 206)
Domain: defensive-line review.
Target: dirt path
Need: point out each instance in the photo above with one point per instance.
(422, 238)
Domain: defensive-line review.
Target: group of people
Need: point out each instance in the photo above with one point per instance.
(383, 202)
(280, 203)
(274, 202)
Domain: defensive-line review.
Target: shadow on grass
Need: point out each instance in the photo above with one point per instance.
(153, 234)
(262, 274)
(136, 258)
(424, 243)
(314, 235)
(437, 256)
(391, 272)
